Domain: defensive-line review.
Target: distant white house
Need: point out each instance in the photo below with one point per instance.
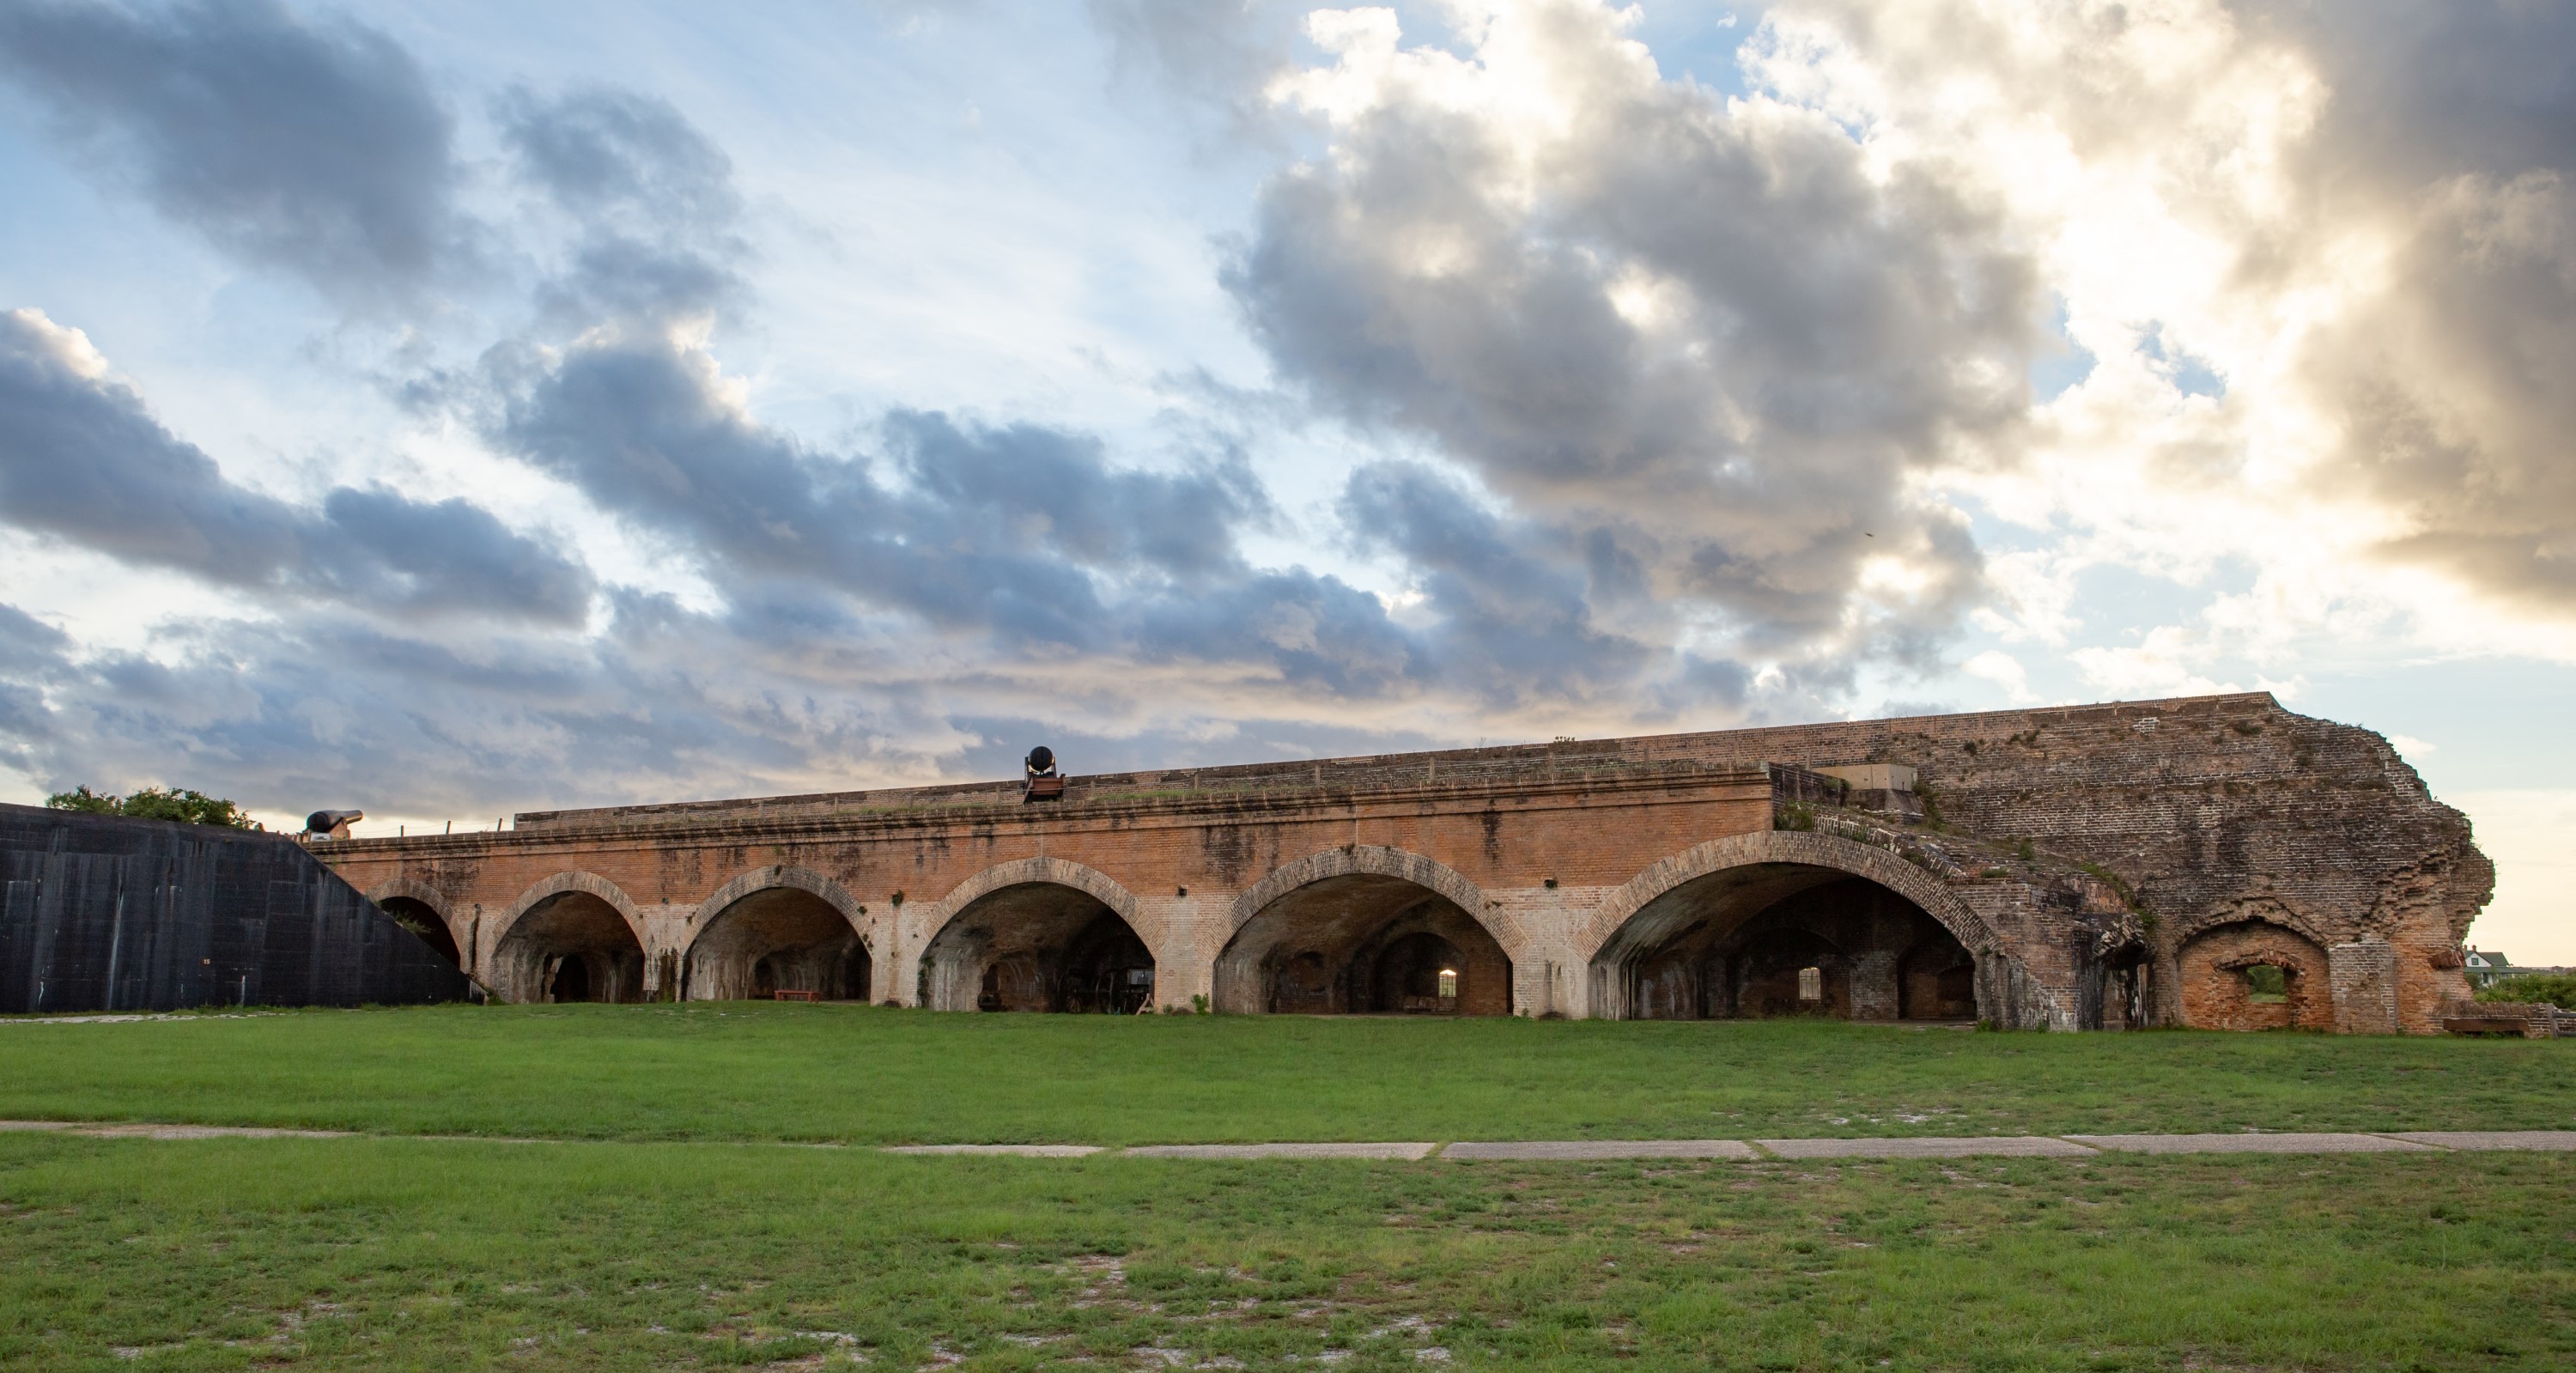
(2486, 966)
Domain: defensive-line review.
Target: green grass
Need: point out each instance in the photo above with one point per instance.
(863, 1074)
(409, 1254)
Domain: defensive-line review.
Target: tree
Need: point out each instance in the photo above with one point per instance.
(153, 803)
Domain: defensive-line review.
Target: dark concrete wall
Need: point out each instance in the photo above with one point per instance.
(99, 913)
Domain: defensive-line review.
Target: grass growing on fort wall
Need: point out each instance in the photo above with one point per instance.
(870, 1075)
(405, 1254)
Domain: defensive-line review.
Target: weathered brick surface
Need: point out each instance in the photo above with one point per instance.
(2217, 995)
(2161, 836)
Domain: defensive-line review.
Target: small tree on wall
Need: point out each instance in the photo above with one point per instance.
(152, 803)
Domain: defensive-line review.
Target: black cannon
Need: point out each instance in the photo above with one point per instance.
(1043, 782)
(332, 824)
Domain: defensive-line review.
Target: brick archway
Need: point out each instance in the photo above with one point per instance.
(728, 958)
(518, 972)
(950, 967)
(589, 884)
(413, 889)
(1374, 860)
(1767, 866)
(1361, 906)
(2214, 992)
(460, 933)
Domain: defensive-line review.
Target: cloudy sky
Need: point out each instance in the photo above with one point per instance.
(449, 408)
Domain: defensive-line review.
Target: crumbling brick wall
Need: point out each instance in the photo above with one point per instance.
(2216, 994)
(2149, 823)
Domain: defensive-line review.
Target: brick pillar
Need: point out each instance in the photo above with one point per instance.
(2364, 976)
(668, 931)
(1873, 985)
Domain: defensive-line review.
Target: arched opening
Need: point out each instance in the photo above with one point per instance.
(773, 940)
(1360, 944)
(1037, 946)
(1765, 940)
(571, 946)
(2254, 975)
(417, 916)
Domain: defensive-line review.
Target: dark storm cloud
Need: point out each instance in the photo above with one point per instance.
(1024, 532)
(1025, 537)
(1708, 344)
(1043, 487)
(33, 657)
(1512, 600)
(316, 147)
(324, 708)
(82, 460)
(653, 200)
(605, 153)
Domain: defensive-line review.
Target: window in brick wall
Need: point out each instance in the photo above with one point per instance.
(1449, 984)
(1811, 984)
(2267, 983)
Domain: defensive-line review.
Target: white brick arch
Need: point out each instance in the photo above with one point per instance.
(1770, 865)
(1030, 871)
(1376, 860)
(460, 930)
(1786, 848)
(940, 972)
(516, 970)
(1269, 919)
(401, 887)
(586, 882)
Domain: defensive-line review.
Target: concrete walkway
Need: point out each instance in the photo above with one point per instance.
(1568, 1150)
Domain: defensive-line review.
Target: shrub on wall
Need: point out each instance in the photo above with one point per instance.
(152, 803)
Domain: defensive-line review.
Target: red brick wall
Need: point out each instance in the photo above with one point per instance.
(2202, 808)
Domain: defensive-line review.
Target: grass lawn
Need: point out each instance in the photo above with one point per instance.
(869, 1075)
(413, 1254)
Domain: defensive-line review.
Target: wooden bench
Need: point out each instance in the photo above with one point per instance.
(787, 994)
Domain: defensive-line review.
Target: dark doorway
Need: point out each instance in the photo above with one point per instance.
(773, 940)
(572, 946)
(1038, 946)
(1784, 940)
(571, 980)
(1364, 944)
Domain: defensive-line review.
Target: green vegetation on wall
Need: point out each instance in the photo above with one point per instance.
(152, 803)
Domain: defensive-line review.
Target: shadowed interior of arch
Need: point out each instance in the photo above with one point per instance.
(1785, 939)
(1360, 944)
(417, 916)
(571, 946)
(773, 940)
(1037, 946)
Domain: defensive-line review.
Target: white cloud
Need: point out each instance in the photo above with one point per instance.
(2004, 670)
(2533, 917)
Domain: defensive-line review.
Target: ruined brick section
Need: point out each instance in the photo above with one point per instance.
(2218, 994)
(2085, 866)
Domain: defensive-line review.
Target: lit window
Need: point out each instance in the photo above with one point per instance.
(1811, 984)
(1449, 982)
